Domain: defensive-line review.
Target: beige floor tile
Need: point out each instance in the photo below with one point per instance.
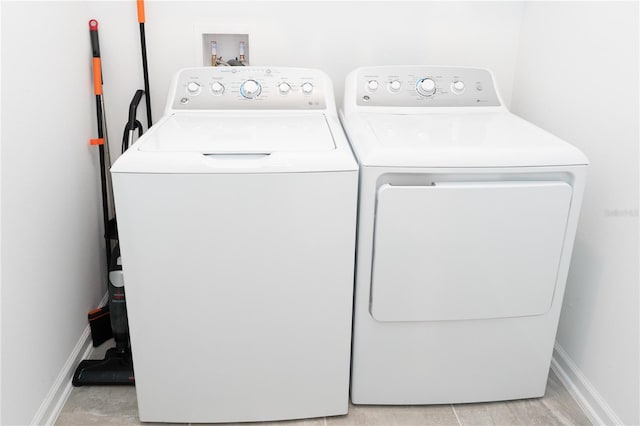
(557, 407)
(302, 422)
(494, 413)
(370, 415)
(100, 405)
(559, 400)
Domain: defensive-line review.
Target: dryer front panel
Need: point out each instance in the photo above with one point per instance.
(467, 250)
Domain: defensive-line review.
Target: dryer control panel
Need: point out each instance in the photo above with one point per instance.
(213, 88)
(418, 86)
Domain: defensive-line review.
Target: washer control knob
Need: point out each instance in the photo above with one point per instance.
(395, 85)
(193, 88)
(250, 89)
(307, 88)
(217, 88)
(372, 85)
(284, 88)
(426, 87)
(457, 87)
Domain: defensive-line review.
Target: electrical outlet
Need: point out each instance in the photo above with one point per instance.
(227, 47)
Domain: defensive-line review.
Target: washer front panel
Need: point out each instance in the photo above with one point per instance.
(425, 86)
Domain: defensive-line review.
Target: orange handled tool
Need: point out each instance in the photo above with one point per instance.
(141, 11)
(145, 67)
(100, 140)
(97, 65)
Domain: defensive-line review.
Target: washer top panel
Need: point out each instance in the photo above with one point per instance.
(244, 120)
(491, 139)
(425, 86)
(428, 132)
(249, 88)
(225, 133)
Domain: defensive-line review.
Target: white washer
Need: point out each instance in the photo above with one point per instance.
(236, 214)
(467, 217)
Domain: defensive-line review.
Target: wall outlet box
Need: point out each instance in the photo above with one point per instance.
(227, 46)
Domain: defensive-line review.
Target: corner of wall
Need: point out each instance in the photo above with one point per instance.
(585, 394)
(61, 389)
(57, 396)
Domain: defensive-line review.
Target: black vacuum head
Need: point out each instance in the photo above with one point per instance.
(115, 369)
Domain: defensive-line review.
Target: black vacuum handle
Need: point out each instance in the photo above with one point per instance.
(133, 107)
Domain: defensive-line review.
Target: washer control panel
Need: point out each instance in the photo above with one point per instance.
(208, 88)
(425, 86)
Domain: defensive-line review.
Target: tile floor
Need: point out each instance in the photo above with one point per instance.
(116, 405)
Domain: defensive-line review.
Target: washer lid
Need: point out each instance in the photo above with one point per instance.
(221, 133)
(496, 139)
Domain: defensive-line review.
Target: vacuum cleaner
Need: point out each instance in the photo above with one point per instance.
(117, 366)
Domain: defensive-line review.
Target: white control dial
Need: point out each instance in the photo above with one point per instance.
(284, 88)
(307, 88)
(372, 85)
(395, 85)
(193, 88)
(250, 89)
(426, 87)
(457, 87)
(217, 88)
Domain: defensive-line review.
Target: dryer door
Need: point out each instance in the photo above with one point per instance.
(467, 250)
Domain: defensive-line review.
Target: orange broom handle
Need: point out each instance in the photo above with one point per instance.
(97, 64)
(97, 76)
(141, 11)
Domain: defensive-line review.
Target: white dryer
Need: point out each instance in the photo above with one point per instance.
(467, 217)
(237, 216)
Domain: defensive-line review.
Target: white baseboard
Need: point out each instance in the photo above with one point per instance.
(59, 392)
(52, 405)
(589, 399)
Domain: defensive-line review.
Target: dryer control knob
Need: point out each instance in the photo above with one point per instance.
(457, 87)
(307, 88)
(284, 88)
(250, 89)
(395, 85)
(217, 88)
(426, 87)
(193, 88)
(372, 85)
